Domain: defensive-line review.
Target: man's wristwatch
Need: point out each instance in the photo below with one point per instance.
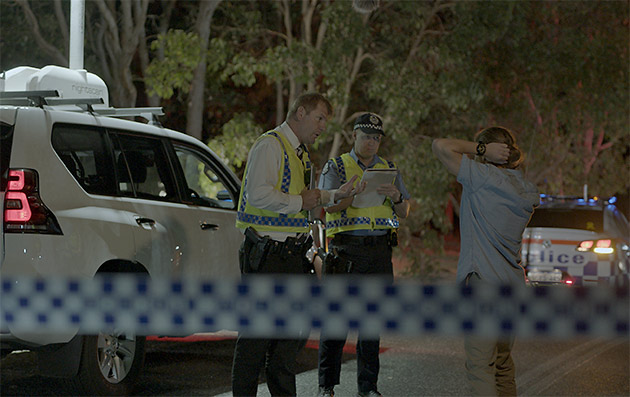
(400, 200)
(481, 149)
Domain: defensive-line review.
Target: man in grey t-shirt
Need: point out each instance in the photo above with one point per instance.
(497, 203)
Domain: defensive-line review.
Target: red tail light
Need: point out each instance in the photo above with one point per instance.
(16, 180)
(585, 245)
(17, 208)
(24, 211)
(604, 246)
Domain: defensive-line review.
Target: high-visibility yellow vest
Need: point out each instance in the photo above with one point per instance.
(352, 218)
(291, 180)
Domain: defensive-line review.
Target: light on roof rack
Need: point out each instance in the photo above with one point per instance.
(68, 82)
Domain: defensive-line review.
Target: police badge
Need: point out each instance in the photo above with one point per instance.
(326, 168)
(374, 120)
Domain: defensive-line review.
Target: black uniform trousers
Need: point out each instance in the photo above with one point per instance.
(277, 356)
(369, 256)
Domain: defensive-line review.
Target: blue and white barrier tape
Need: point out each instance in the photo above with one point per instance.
(290, 306)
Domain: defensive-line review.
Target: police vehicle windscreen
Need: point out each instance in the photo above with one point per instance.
(574, 218)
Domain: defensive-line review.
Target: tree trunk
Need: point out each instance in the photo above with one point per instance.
(194, 121)
(123, 29)
(57, 56)
(280, 112)
(163, 20)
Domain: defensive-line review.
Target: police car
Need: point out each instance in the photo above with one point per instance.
(577, 241)
(87, 192)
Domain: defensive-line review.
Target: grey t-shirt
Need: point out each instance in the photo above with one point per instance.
(496, 206)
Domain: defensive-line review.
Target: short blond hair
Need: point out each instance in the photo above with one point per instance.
(309, 101)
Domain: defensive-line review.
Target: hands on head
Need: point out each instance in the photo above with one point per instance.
(497, 153)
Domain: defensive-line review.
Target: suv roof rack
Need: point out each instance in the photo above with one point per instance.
(41, 98)
(27, 98)
(52, 98)
(147, 113)
(124, 112)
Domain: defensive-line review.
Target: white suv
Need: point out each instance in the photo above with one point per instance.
(86, 193)
(574, 241)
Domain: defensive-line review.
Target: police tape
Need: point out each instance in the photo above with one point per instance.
(264, 306)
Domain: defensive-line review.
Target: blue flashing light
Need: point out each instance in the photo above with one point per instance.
(580, 200)
(612, 200)
(591, 200)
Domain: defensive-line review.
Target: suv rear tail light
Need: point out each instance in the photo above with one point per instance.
(604, 246)
(24, 211)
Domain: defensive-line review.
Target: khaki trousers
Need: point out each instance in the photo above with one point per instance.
(489, 365)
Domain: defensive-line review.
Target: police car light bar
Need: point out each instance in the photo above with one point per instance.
(549, 198)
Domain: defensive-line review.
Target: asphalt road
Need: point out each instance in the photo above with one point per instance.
(423, 366)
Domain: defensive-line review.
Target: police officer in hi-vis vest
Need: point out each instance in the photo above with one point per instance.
(273, 213)
(363, 238)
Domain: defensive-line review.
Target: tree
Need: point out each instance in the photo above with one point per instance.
(559, 75)
(58, 56)
(114, 31)
(119, 28)
(554, 72)
(395, 61)
(196, 97)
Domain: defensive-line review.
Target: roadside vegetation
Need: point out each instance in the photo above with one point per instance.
(554, 72)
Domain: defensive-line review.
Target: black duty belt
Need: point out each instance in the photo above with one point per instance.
(292, 246)
(347, 239)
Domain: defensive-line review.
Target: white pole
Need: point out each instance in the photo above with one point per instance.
(585, 192)
(77, 29)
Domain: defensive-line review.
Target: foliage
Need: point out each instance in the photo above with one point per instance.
(238, 135)
(434, 69)
(175, 71)
(16, 47)
(562, 83)
(554, 72)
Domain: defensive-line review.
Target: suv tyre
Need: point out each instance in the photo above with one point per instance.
(110, 364)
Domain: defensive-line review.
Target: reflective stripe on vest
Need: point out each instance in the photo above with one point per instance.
(265, 220)
(352, 218)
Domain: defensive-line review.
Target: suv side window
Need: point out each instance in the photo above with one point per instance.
(85, 154)
(6, 141)
(203, 183)
(143, 168)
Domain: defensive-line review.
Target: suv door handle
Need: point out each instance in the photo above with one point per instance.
(210, 226)
(148, 221)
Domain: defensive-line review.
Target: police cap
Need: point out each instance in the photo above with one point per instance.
(369, 123)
